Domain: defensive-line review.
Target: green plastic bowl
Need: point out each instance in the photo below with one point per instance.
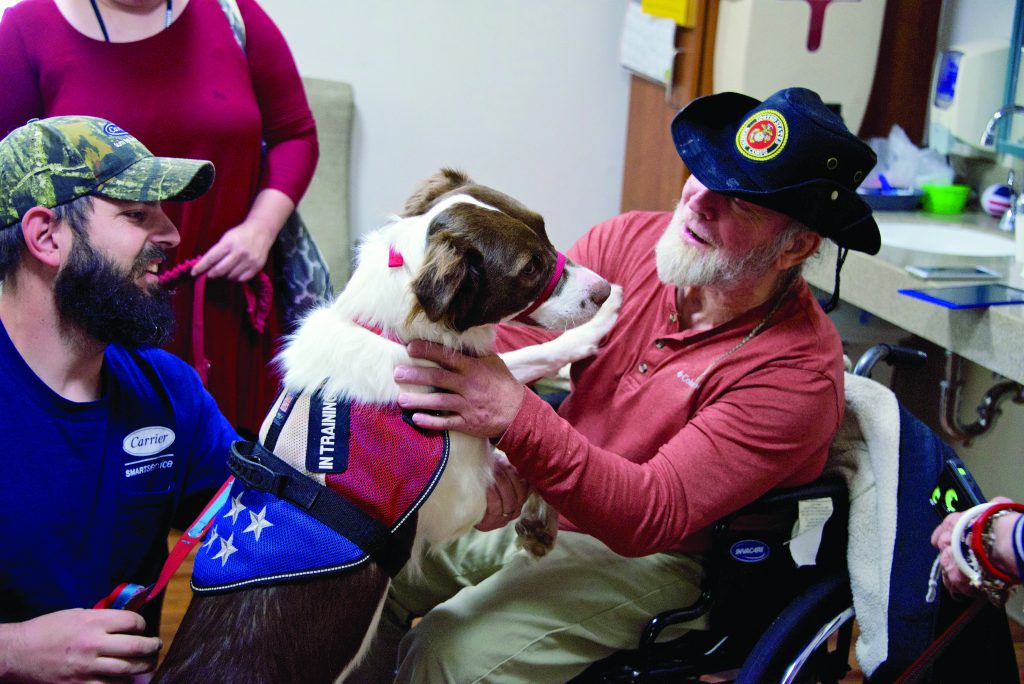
(944, 199)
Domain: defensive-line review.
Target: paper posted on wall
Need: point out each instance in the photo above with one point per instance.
(647, 47)
(683, 12)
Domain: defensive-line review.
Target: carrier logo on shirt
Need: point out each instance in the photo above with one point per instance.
(148, 440)
(144, 444)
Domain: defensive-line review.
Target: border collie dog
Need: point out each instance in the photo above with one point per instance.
(342, 481)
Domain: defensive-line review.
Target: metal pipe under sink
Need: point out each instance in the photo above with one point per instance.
(988, 409)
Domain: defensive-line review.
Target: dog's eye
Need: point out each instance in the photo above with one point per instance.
(531, 268)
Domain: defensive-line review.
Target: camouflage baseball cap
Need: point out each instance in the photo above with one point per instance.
(51, 161)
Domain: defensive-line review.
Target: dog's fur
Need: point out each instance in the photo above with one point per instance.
(472, 257)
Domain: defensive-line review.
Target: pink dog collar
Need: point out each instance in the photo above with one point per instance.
(543, 297)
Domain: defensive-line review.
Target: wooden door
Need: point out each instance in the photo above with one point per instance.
(653, 175)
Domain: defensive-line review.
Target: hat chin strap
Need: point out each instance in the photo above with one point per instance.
(833, 301)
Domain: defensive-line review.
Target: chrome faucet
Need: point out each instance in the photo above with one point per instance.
(988, 137)
(1009, 220)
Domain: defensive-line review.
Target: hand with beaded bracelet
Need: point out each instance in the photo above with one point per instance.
(992, 559)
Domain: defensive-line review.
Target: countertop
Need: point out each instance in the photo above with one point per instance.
(992, 337)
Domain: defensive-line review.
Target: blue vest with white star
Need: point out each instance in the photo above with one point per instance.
(390, 467)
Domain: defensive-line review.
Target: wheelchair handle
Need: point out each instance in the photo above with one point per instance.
(890, 353)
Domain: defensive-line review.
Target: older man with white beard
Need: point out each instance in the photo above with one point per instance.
(721, 380)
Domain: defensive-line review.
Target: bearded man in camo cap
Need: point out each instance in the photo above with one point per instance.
(109, 440)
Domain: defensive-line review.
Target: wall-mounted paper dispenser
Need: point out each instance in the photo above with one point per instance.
(830, 47)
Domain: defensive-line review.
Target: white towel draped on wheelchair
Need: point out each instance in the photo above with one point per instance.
(865, 454)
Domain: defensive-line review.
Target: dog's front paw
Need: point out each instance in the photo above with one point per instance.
(606, 316)
(537, 526)
(589, 335)
(535, 537)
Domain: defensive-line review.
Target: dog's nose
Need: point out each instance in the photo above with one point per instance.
(600, 293)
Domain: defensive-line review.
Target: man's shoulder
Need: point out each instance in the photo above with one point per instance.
(173, 373)
(805, 337)
(642, 217)
(631, 228)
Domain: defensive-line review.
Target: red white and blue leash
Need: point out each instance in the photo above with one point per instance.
(127, 596)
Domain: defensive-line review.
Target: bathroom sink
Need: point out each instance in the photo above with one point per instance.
(944, 239)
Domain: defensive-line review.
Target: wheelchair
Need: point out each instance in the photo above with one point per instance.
(769, 621)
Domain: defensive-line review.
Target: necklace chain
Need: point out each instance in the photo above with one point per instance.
(103, 26)
(750, 335)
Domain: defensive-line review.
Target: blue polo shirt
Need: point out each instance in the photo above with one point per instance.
(88, 490)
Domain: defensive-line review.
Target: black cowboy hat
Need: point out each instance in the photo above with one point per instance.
(789, 153)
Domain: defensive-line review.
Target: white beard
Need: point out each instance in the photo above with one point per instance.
(684, 265)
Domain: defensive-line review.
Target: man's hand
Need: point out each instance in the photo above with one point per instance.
(77, 645)
(505, 497)
(478, 395)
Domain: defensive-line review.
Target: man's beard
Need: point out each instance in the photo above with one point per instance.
(107, 304)
(684, 265)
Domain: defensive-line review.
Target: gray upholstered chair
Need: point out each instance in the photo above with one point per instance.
(325, 207)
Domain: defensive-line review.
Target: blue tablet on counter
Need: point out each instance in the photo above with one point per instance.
(969, 296)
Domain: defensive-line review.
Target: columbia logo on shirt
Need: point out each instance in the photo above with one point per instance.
(145, 447)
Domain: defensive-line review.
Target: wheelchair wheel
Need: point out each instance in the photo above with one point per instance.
(809, 641)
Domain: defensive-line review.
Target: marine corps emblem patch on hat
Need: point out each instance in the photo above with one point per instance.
(763, 135)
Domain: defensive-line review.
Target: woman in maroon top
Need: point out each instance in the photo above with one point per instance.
(171, 73)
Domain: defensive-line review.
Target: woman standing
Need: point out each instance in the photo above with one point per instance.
(172, 73)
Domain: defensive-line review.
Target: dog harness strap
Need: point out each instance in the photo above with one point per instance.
(556, 275)
(259, 469)
(393, 556)
(283, 411)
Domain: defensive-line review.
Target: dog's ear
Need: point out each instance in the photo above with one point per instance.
(450, 284)
(429, 190)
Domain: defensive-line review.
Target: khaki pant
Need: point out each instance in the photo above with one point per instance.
(492, 614)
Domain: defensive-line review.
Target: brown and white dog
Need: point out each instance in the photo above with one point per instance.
(461, 258)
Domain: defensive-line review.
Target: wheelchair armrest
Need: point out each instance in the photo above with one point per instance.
(829, 486)
(665, 619)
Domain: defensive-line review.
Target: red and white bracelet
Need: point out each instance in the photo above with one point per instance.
(971, 546)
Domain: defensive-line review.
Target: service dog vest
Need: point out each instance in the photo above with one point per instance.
(282, 525)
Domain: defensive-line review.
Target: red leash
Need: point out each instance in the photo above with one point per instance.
(259, 295)
(126, 596)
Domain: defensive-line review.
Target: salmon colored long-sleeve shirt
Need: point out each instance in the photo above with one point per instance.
(646, 453)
